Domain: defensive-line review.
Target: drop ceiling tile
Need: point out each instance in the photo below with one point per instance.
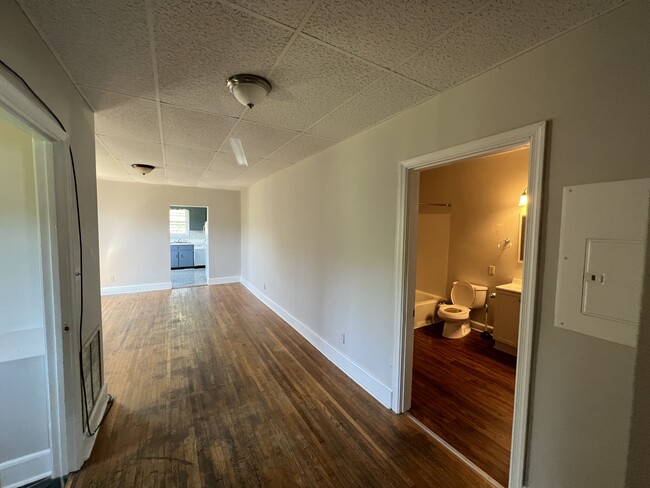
(289, 12)
(258, 140)
(133, 151)
(385, 31)
(301, 147)
(312, 80)
(219, 177)
(494, 35)
(387, 97)
(200, 43)
(196, 130)
(181, 156)
(226, 162)
(107, 166)
(102, 44)
(124, 116)
(183, 173)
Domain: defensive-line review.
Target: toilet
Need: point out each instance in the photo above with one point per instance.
(464, 297)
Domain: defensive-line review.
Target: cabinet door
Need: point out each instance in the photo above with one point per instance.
(185, 258)
(506, 318)
(173, 251)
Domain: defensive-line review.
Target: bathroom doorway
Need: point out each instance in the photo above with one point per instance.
(464, 377)
(188, 245)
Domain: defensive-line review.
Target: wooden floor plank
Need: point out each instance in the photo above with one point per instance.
(463, 390)
(213, 389)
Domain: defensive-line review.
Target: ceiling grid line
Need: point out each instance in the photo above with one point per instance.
(154, 66)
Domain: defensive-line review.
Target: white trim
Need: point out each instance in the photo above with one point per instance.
(52, 179)
(456, 453)
(378, 390)
(118, 290)
(95, 418)
(224, 280)
(26, 469)
(534, 136)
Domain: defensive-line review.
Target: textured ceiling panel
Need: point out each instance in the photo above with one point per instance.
(201, 43)
(195, 130)
(103, 44)
(183, 173)
(301, 147)
(123, 116)
(312, 80)
(134, 151)
(289, 12)
(181, 156)
(226, 162)
(385, 31)
(107, 166)
(494, 35)
(259, 140)
(211, 177)
(396, 94)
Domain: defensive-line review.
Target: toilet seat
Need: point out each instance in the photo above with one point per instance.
(453, 312)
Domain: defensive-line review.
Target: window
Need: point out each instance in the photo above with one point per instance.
(179, 221)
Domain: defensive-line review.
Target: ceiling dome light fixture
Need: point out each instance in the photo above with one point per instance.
(143, 169)
(249, 90)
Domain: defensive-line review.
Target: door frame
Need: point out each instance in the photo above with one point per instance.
(532, 136)
(207, 237)
(59, 284)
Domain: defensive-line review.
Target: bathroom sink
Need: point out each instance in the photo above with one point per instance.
(514, 286)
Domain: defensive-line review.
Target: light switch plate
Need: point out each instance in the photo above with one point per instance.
(602, 256)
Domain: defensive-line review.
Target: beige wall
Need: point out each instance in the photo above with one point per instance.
(484, 196)
(23, 49)
(134, 231)
(434, 227)
(321, 234)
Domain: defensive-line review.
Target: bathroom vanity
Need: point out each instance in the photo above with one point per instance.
(506, 317)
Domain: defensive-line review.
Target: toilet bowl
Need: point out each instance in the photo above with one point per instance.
(464, 297)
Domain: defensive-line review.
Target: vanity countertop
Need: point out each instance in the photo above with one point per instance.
(515, 286)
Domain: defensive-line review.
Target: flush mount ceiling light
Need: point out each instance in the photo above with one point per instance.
(249, 90)
(143, 169)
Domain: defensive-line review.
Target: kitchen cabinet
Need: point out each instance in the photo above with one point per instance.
(182, 256)
(198, 216)
(506, 318)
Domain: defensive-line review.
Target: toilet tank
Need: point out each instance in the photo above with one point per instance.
(480, 294)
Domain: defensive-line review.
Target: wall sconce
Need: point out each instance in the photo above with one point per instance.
(523, 199)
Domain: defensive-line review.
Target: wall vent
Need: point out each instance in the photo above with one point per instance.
(92, 369)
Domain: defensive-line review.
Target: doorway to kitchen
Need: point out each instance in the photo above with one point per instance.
(188, 245)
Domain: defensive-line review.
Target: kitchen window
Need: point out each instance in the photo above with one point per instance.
(179, 222)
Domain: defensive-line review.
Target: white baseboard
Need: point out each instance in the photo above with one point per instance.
(224, 280)
(382, 393)
(480, 326)
(118, 290)
(26, 469)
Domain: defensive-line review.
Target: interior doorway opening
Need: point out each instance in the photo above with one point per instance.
(188, 246)
(531, 137)
(468, 290)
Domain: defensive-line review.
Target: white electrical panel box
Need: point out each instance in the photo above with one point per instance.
(602, 259)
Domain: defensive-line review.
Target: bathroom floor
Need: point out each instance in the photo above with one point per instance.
(463, 390)
(188, 277)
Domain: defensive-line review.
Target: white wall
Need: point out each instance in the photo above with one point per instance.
(23, 49)
(321, 234)
(134, 232)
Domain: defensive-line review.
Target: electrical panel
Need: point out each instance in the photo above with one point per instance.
(602, 259)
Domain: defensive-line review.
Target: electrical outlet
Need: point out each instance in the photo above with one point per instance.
(492, 270)
(112, 278)
(343, 338)
(265, 286)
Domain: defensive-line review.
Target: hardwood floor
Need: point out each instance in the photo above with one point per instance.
(213, 389)
(463, 390)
